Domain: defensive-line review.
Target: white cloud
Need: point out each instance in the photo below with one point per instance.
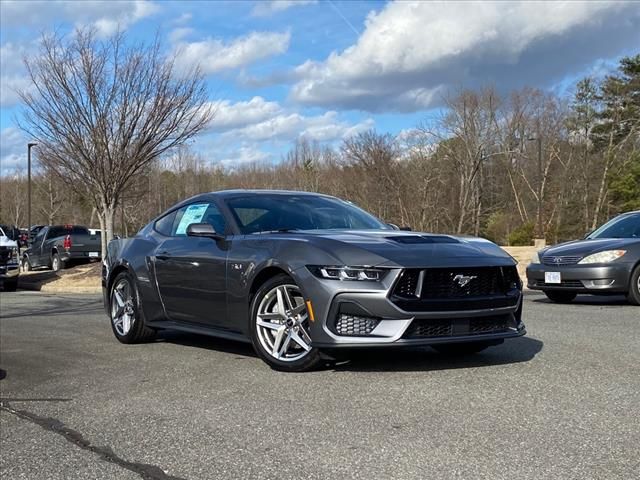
(12, 73)
(409, 51)
(214, 55)
(264, 8)
(257, 130)
(243, 156)
(178, 34)
(236, 115)
(287, 127)
(105, 16)
(13, 148)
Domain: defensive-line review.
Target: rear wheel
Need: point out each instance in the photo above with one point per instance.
(634, 287)
(467, 348)
(127, 322)
(560, 297)
(280, 326)
(26, 265)
(56, 263)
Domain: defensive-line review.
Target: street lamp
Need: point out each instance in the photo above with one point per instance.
(30, 145)
(539, 233)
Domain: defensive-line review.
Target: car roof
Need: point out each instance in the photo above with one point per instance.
(237, 193)
(257, 192)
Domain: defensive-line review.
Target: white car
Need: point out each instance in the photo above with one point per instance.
(9, 262)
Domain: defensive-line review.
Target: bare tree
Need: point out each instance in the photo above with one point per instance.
(103, 111)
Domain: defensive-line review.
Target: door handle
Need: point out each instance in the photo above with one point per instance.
(163, 256)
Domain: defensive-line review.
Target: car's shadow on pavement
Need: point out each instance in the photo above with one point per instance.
(591, 300)
(204, 341)
(398, 359)
(425, 359)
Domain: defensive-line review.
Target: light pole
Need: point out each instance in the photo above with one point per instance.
(30, 145)
(539, 233)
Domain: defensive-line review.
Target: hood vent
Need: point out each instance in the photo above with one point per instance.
(411, 239)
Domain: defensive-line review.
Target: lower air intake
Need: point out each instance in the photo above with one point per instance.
(355, 325)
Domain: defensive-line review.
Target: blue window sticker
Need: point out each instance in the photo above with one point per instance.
(193, 214)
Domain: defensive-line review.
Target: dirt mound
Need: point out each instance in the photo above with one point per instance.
(79, 279)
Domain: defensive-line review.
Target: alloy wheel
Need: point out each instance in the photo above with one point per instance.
(283, 323)
(122, 312)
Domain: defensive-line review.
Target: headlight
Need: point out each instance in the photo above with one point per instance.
(535, 258)
(603, 257)
(348, 273)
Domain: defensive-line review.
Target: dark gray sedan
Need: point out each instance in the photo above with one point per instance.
(302, 275)
(605, 262)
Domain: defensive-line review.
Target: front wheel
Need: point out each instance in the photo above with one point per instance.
(634, 287)
(560, 297)
(127, 322)
(280, 327)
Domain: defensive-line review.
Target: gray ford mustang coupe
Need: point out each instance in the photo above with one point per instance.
(605, 262)
(301, 275)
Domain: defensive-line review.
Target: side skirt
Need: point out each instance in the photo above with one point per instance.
(199, 330)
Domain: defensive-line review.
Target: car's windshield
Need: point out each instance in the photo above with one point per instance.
(624, 226)
(265, 212)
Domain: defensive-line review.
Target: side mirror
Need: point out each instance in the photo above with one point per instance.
(394, 226)
(203, 230)
(406, 229)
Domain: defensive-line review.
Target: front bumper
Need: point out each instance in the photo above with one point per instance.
(597, 278)
(398, 327)
(9, 272)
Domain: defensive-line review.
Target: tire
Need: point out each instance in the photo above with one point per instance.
(56, 263)
(10, 286)
(634, 287)
(127, 321)
(26, 265)
(279, 340)
(466, 348)
(559, 296)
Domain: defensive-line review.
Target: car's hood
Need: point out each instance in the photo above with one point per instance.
(7, 242)
(587, 247)
(406, 249)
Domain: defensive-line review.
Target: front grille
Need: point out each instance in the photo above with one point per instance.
(447, 289)
(355, 325)
(560, 260)
(425, 328)
(563, 283)
(450, 283)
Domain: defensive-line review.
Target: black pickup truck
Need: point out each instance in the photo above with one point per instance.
(56, 246)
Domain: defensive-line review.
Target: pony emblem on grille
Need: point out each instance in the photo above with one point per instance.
(463, 280)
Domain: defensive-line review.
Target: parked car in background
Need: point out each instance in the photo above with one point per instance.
(9, 257)
(33, 231)
(605, 262)
(301, 274)
(57, 246)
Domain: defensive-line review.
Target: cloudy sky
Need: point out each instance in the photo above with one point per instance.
(324, 70)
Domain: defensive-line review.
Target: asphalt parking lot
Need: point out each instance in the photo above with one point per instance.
(562, 402)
